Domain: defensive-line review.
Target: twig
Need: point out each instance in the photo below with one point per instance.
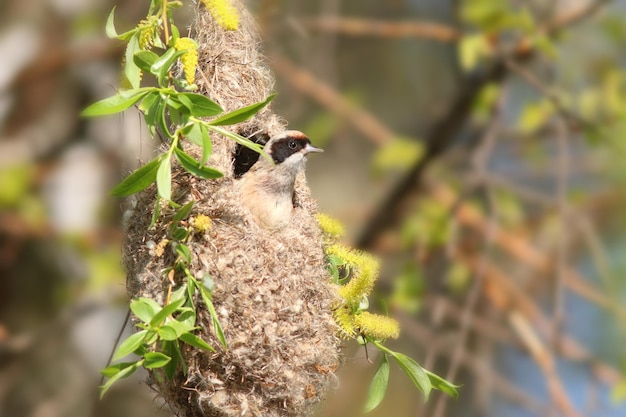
(545, 361)
(506, 296)
(438, 140)
(418, 333)
(117, 341)
(562, 173)
(480, 161)
(522, 250)
(350, 26)
(303, 81)
(442, 134)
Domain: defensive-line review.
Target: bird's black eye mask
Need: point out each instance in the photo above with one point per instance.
(244, 157)
(286, 147)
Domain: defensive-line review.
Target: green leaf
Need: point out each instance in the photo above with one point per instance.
(155, 5)
(194, 166)
(241, 140)
(163, 63)
(193, 133)
(144, 308)
(191, 290)
(472, 49)
(131, 70)
(156, 360)
(188, 318)
(167, 332)
(165, 312)
(207, 146)
(123, 373)
(179, 293)
(183, 212)
(110, 28)
(174, 103)
(183, 252)
(110, 25)
(164, 177)
(378, 387)
(217, 327)
(443, 385)
(111, 370)
(397, 155)
(181, 327)
(138, 180)
(201, 106)
(175, 32)
(184, 101)
(195, 341)
(416, 373)
(130, 345)
(161, 117)
(170, 348)
(179, 233)
(153, 96)
(145, 59)
(162, 66)
(114, 104)
(152, 106)
(241, 114)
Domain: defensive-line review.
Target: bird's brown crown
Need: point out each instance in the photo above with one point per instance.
(287, 144)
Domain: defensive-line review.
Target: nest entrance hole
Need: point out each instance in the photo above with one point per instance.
(244, 158)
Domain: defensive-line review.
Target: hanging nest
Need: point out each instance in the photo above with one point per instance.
(272, 292)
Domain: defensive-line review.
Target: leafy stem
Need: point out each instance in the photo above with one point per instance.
(165, 20)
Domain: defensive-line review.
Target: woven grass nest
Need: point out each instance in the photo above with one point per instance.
(272, 291)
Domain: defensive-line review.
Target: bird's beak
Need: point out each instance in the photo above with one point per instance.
(310, 148)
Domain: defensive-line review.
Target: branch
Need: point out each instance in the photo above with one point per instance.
(356, 27)
(438, 140)
(441, 136)
(304, 82)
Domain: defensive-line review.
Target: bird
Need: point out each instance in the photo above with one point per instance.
(267, 188)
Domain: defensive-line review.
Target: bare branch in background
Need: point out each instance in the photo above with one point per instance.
(356, 27)
(443, 132)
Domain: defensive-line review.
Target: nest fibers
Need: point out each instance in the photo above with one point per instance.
(272, 290)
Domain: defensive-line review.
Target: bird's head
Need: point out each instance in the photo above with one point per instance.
(290, 149)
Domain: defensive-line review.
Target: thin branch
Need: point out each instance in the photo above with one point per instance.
(437, 141)
(505, 295)
(418, 333)
(303, 81)
(522, 250)
(355, 27)
(480, 159)
(545, 360)
(441, 135)
(562, 173)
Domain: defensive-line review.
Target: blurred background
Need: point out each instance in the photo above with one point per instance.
(477, 147)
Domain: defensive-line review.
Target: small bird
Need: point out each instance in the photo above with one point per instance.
(268, 188)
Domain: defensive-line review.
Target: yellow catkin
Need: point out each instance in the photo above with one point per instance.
(224, 13)
(189, 59)
(330, 226)
(202, 223)
(376, 326)
(365, 272)
(345, 320)
(148, 28)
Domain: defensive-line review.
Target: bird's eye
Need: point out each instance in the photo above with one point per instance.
(292, 144)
